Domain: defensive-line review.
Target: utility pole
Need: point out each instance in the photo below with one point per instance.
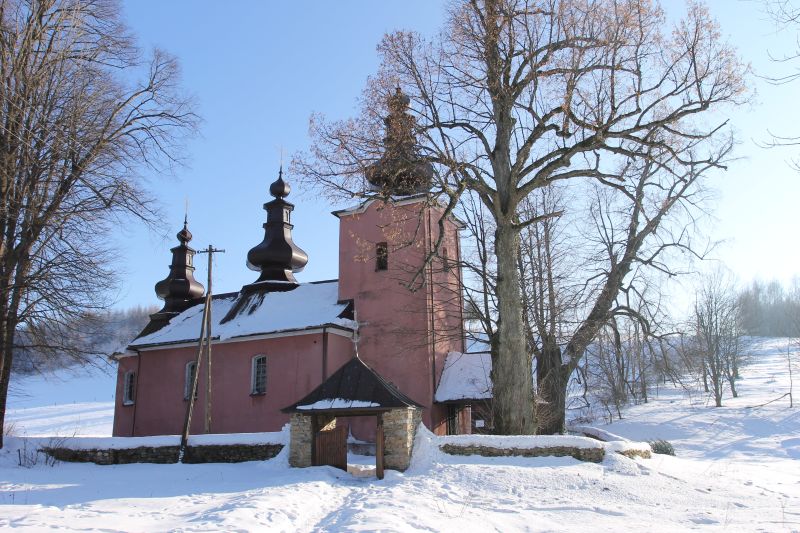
(210, 251)
(205, 338)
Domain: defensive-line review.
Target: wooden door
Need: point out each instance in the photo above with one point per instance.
(331, 448)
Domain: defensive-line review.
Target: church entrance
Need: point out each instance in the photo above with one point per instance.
(330, 447)
(355, 390)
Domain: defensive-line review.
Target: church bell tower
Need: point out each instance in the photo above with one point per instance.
(409, 313)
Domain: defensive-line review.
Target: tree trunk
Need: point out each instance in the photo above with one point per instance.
(705, 376)
(5, 377)
(552, 377)
(729, 374)
(511, 363)
(6, 356)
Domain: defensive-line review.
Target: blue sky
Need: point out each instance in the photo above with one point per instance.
(259, 69)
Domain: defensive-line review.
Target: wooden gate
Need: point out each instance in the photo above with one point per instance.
(330, 448)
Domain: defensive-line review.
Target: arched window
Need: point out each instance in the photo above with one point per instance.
(129, 388)
(188, 380)
(258, 381)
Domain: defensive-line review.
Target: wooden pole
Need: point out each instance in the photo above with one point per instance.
(190, 406)
(208, 346)
(379, 447)
(207, 326)
(205, 336)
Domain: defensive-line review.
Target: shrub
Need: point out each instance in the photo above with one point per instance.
(662, 447)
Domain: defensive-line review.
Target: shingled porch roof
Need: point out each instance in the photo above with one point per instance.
(354, 389)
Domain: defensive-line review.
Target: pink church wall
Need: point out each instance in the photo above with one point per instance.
(405, 335)
(294, 368)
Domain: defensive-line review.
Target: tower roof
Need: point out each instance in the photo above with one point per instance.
(277, 257)
(400, 171)
(179, 289)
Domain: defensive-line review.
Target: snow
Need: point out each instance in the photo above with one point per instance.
(595, 432)
(309, 305)
(520, 441)
(337, 403)
(525, 442)
(123, 443)
(736, 469)
(465, 377)
(75, 402)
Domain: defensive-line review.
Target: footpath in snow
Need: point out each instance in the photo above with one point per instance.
(736, 469)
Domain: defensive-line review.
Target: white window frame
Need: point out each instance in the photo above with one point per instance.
(188, 376)
(254, 390)
(129, 388)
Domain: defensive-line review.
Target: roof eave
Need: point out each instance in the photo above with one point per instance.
(327, 325)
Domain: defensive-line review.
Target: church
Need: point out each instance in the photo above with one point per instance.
(395, 315)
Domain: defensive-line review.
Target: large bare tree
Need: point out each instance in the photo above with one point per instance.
(515, 95)
(81, 111)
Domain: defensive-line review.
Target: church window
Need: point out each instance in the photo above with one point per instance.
(259, 375)
(188, 381)
(381, 256)
(445, 260)
(129, 388)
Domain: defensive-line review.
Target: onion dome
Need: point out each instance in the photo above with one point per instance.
(179, 289)
(277, 257)
(400, 171)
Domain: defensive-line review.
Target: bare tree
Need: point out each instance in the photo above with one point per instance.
(718, 333)
(74, 130)
(515, 95)
(786, 15)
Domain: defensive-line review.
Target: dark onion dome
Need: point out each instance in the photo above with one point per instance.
(179, 288)
(277, 257)
(400, 171)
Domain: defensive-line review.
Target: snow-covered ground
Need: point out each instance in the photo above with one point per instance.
(737, 469)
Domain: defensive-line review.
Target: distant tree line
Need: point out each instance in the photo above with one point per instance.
(97, 335)
(769, 309)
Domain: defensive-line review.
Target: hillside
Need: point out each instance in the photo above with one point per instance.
(736, 468)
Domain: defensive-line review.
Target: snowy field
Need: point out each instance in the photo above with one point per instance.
(737, 469)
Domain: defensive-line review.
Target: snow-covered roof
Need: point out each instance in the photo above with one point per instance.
(310, 305)
(336, 403)
(364, 204)
(353, 387)
(465, 377)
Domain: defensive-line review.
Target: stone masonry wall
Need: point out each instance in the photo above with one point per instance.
(594, 455)
(228, 453)
(399, 430)
(300, 439)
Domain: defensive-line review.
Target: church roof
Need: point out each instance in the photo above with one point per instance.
(354, 387)
(240, 315)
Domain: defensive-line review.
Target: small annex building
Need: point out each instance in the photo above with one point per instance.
(280, 346)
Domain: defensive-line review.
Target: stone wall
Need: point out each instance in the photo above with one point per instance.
(231, 453)
(594, 455)
(300, 440)
(399, 430)
(227, 453)
(144, 454)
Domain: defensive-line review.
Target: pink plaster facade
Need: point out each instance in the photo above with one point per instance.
(295, 365)
(404, 335)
